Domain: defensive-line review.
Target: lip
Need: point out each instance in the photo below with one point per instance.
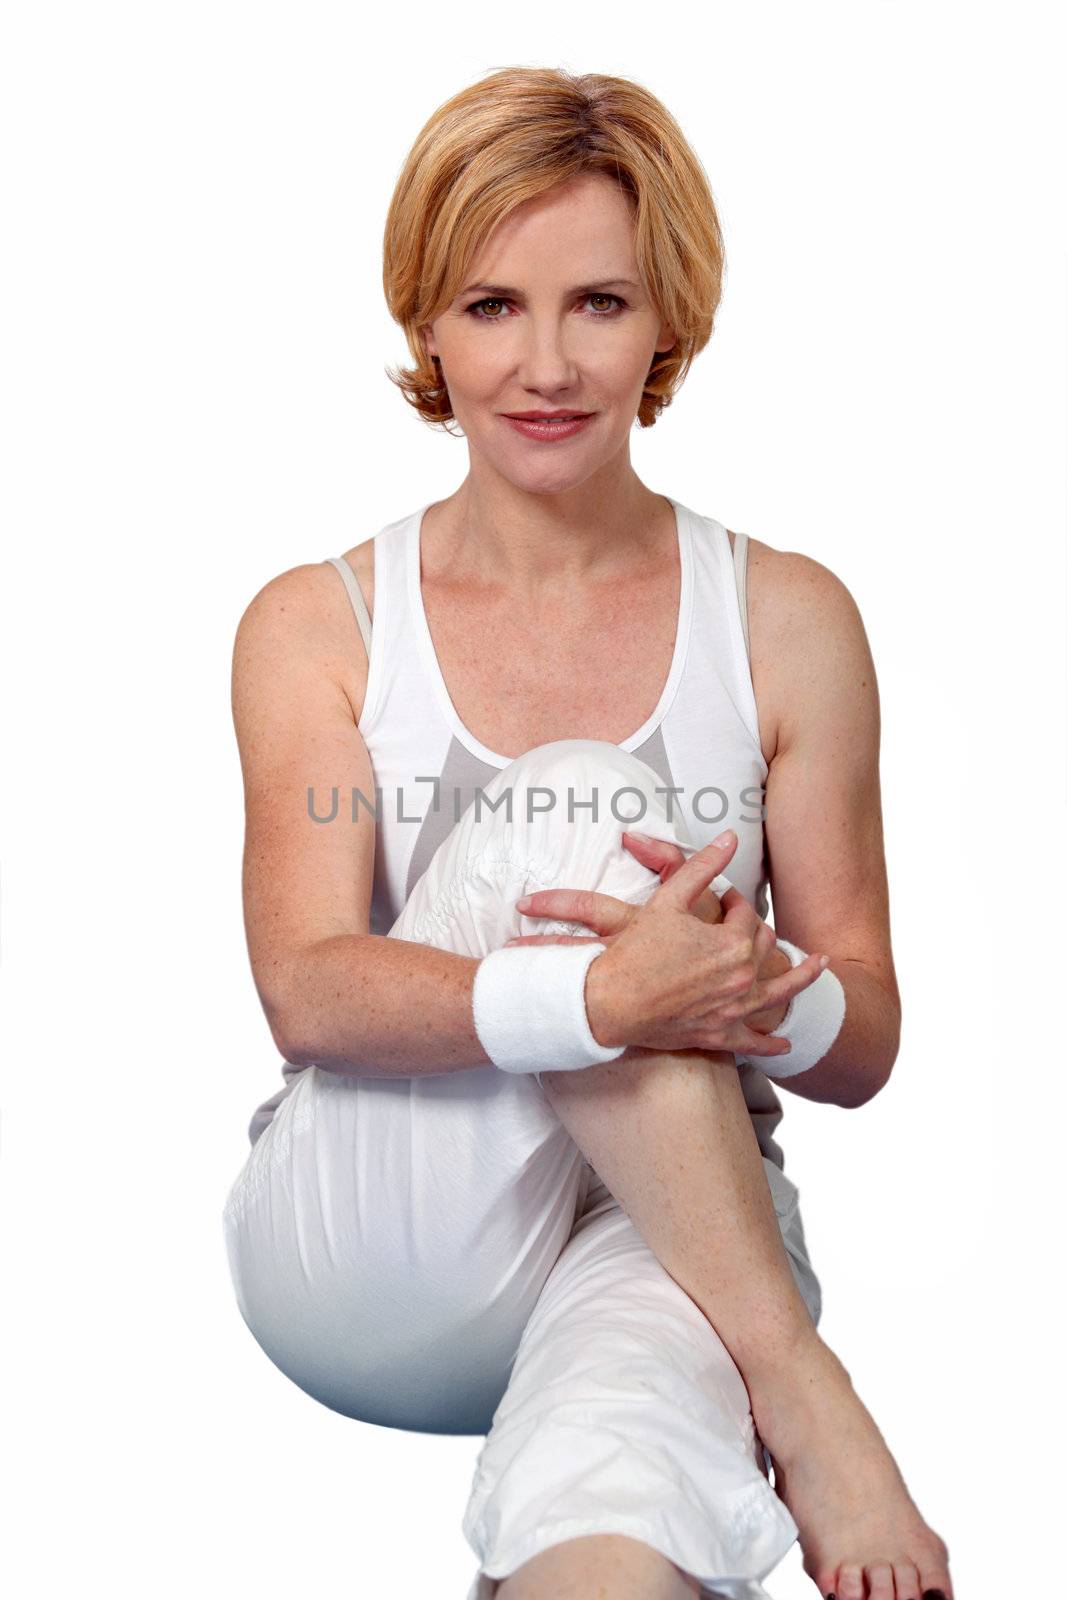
(541, 426)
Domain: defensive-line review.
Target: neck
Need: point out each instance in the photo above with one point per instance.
(491, 531)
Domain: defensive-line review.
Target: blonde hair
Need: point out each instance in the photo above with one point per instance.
(513, 135)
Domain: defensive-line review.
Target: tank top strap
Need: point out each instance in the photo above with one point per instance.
(741, 580)
(355, 594)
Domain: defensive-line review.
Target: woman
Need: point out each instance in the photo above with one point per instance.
(442, 1224)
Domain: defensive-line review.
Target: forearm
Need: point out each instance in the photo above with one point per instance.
(859, 1061)
(372, 1006)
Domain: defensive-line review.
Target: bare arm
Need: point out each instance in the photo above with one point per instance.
(333, 993)
(823, 822)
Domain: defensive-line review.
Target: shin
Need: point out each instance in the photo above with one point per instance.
(671, 1137)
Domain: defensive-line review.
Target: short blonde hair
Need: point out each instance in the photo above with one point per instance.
(513, 135)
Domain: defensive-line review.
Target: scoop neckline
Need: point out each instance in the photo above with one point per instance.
(683, 533)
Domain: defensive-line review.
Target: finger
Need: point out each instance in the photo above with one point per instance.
(601, 912)
(551, 938)
(707, 907)
(737, 908)
(694, 875)
(659, 855)
(741, 917)
(754, 1043)
(765, 942)
(778, 991)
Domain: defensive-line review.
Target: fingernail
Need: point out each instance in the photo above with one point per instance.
(523, 902)
(824, 962)
(645, 838)
(724, 838)
(933, 1594)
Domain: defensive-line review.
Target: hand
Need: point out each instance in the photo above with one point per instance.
(729, 1013)
(665, 858)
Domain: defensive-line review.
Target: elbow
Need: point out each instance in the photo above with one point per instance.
(282, 984)
(292, 1039)
(290, 1027)
(874, 1080)
(303, 1024)
(299, 1050)
(891, 1052)
(305, 1039)
(866, 1091)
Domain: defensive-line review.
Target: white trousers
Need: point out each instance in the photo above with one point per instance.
(436, 1254)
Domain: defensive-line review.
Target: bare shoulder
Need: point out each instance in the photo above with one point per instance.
(806, 638)
(299, 622)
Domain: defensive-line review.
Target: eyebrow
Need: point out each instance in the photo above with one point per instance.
(500, 291)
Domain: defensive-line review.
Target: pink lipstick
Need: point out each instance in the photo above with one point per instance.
(548, 425)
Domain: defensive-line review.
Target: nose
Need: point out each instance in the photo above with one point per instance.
(546, 362)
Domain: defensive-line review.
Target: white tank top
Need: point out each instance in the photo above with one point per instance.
(702, 738)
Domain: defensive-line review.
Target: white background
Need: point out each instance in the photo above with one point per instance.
(193, 351)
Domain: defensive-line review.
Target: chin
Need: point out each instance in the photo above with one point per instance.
(549, 480)
(548, 473)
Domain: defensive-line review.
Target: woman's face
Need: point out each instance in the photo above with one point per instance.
(552, 317)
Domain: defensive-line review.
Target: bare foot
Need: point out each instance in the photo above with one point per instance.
(860, 1531)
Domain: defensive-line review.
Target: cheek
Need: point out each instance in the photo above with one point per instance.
(619, 370)
(475, 370)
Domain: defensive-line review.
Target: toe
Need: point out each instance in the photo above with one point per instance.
(907, 1581)
(850, 1584)
(880, 1584)
(934, 1581)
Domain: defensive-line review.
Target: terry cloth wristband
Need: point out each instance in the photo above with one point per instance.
(529, 1008)
(811, 1024)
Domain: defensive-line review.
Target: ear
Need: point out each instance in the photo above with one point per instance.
(428, 343)
(666, 341)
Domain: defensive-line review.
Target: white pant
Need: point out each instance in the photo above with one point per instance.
(436, 1254)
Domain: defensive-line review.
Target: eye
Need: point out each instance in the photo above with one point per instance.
(619, 304)
(475, 309)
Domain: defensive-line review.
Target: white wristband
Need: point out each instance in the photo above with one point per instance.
(811, 1024)
(529, 1008)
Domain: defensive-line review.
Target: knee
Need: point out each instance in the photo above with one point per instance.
(567, 803)
(552, 818)
(575, 780)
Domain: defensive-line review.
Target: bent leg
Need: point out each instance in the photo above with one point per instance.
(670, 1135)
(674, 1142)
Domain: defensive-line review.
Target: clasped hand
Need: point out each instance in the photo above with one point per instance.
(686, 970)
